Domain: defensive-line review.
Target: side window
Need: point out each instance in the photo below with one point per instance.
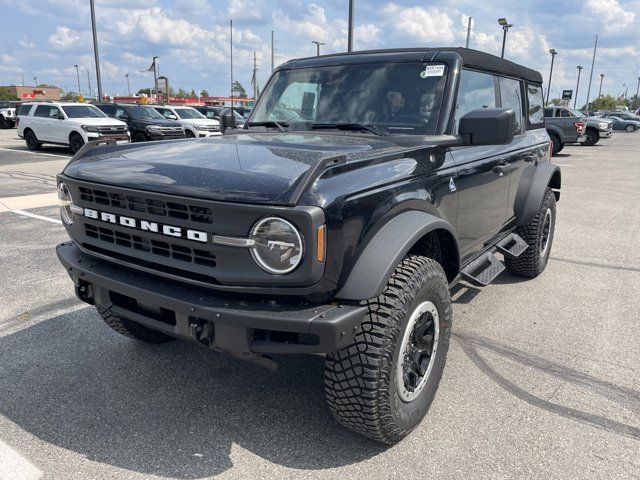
(24, 110)
(166, 113)
(476, 90)
(119, 112)
(565, 114)
(511, 97)
(108, 109)
(47, 111)
(536, 111)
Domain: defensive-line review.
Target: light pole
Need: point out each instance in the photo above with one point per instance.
(78, 75)
(600, 89)
(553, 53)
(351, 20)
(577, 86)
(126, 75)
(505, 28)
(35, 81)
(637, 102)
(317, 46)
(95, 48)
(593, 62)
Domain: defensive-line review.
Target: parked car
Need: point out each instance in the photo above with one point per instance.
(336, 222)
(72, 124)
(245, 112)
(625, 116)
(620, 123)
(215, 113)
(7, 115)
(594, 129)
(564, 127)
(145, 123)
(194, 123)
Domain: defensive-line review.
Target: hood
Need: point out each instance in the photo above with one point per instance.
(246, 168)
(97, 122)
(199, 121)
(154, 121)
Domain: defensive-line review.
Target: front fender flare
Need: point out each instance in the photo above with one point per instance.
(531, 190)
(384, 252)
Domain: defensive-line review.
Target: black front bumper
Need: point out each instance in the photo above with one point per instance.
(245, 328)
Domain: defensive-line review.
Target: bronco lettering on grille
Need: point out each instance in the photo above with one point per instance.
(144, 225)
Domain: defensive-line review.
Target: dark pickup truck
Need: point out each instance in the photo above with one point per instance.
(361, 189)
(564, 127)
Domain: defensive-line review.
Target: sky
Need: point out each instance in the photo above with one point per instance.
(46, 38)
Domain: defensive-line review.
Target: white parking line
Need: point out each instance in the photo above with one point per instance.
(35, 153)
(39, 217)
(14, 466)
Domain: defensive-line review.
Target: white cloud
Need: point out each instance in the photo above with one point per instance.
(424, 24)
(64, 38)
(613, 14)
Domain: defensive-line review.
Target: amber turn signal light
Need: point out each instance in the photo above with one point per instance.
(321, 243)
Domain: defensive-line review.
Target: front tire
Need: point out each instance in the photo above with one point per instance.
(189, 134)
(131, 329)
(592, 137)
(382, 385)
(76, 142)
(556, 145)
(629, 128)
(538, 234)
(139, 137)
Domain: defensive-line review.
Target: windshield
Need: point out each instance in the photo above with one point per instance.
(401, 98)
(577, 113)
(82, 111)
(144, 113)
(188, 113)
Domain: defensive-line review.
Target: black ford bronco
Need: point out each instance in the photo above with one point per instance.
(361, 189)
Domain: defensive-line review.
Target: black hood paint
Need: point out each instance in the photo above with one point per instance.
(246, 168)
(161, 122)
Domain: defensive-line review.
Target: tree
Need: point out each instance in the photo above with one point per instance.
(5, 94)
(181, 93)
(193, 93)
(69, 97)
(46, 85)
(556, 101)
(239, 90)
(204, 93)
(144, 91)
(606, 102)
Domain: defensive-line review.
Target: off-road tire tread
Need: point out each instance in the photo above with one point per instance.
(528, 264)
(357, 378)
(131, 329)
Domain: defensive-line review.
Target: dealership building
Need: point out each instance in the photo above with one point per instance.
(34, 93)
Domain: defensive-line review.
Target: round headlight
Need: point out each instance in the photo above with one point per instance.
(65, 201)
(278, 246)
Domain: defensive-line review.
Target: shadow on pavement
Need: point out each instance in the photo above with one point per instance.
(172, 410)
(626, 398)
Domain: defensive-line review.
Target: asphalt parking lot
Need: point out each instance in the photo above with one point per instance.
(542, 379)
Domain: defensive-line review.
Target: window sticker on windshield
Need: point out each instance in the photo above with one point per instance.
(432, 71)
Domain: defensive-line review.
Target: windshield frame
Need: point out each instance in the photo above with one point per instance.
(142, 108)
(192, 111)
(442, 119)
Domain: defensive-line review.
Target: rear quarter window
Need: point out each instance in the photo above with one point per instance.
(535, 106)
(23, 110)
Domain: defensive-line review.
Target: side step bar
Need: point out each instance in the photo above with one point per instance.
(486, 268)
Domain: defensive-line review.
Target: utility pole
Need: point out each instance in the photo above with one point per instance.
(231, 46)
(22, 76)
(155, 76)
(351, 20)
(600, 89)
(593, 62)
(128, 88)
(468, 33)
(553, 53)
(272, 46)
(637, 102)
(35, 81)
(577, 86)
(254, 79)
(95, 48)
(89, 82)
(78, 75)
(317, 46)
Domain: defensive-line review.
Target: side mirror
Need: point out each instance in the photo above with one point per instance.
(227, 120)
(172, 117)
(488, 126)
(60, 116)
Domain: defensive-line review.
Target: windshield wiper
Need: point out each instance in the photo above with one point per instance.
(269, 123)
(348, 126)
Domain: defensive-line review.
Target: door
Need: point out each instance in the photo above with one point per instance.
(45, 123)
(483, 183)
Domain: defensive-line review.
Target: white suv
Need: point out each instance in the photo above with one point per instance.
(194, 123)
(72, 124)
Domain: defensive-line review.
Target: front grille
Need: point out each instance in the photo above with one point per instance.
(112, 130)
(148, 245)
(135, 203)
(209, 128)
(170, 130)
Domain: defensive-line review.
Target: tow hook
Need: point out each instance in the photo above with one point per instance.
(84, 291)
(201, 331)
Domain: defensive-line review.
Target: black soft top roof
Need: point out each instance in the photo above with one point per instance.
(470, 58)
